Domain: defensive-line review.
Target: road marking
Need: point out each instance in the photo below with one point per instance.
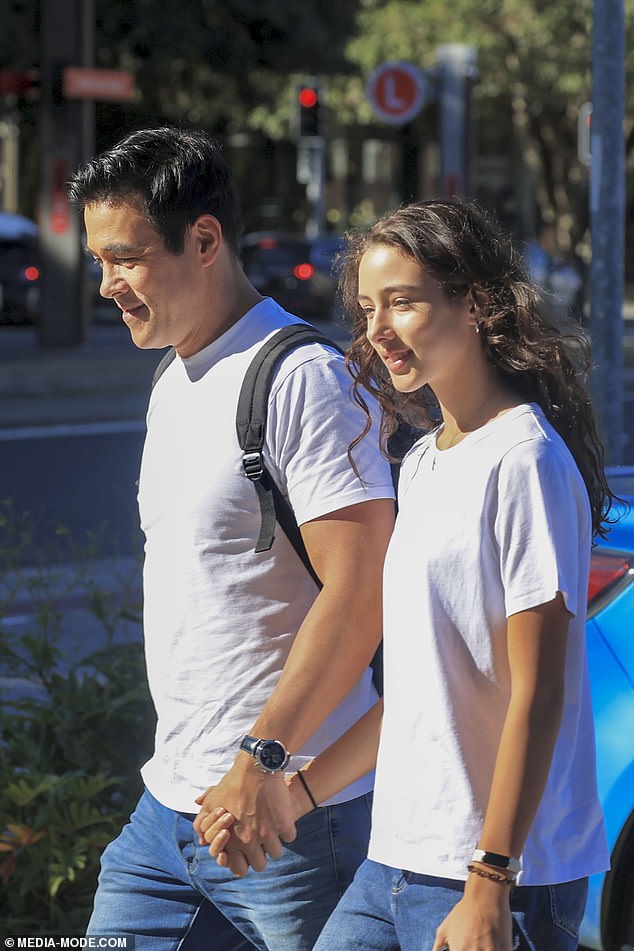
(71, 429)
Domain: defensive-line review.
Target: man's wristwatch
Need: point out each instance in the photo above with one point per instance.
(496, 860)
(269, 755)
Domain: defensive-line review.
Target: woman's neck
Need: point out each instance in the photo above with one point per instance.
(465, 415)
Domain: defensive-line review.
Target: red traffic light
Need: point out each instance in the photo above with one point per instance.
(308, 119)
(307, 97)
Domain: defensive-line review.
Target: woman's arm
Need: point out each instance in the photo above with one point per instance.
(537, 641)
(350, 757)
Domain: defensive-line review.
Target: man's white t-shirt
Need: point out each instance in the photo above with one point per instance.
(496, 525)
(219, 619)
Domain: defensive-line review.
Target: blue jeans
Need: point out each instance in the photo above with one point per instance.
(389, 910)
(158, 884)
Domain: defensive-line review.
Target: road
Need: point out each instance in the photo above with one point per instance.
(81, 586)
(81, 478)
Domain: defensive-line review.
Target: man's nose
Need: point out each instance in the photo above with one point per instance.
(111, 282)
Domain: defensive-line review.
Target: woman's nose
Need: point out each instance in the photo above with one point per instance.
(379, 326)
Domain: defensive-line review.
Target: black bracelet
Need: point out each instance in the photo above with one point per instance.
(308, 792)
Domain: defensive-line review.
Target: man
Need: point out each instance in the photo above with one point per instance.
(240, 646)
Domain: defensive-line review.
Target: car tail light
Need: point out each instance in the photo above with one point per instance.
(607, 571)
(303, 271)
(31, 273)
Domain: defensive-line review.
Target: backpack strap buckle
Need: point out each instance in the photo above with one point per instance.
(253, 465)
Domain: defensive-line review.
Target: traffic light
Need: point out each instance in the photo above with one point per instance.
(308, 110)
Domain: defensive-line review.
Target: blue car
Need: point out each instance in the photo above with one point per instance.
(609, 920)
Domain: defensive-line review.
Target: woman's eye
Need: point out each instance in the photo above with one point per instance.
(401, 302)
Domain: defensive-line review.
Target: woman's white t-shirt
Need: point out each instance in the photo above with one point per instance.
(496, 525)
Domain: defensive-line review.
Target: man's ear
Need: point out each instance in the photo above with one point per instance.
(207, 234)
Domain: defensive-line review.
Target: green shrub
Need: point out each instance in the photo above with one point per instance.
(73, 732)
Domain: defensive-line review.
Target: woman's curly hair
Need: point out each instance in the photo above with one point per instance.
(457, 244)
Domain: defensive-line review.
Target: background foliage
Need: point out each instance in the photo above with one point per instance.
(74, 729)
(230, 65)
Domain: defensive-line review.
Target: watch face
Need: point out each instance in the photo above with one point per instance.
(272, 755)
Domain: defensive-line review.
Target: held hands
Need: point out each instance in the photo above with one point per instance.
(220, 829)
(261, 816)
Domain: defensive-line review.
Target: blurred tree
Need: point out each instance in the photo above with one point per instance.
(230, 65)
(20, 22)
(19, 51)
(223, 63)
(534, 60)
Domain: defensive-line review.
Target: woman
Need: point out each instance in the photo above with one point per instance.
(485, 770)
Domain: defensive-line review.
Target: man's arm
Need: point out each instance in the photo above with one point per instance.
(333, 647)
(350, 757)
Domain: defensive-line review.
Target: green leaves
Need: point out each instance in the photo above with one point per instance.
(74, 729)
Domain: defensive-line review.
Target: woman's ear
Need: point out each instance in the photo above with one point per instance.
(479, 301)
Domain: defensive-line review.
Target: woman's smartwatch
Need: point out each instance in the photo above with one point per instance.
(270, 755)
(495, 860)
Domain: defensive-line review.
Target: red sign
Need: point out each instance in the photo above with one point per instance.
(397, 92)
(17, 82)
(101, 85)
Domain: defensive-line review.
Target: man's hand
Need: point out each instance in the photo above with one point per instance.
(263, 811)
(227, 849)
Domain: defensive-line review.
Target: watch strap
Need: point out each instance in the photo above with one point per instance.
(495, 860)
(249, 744)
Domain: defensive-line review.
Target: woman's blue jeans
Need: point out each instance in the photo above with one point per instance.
(160, 886)
(389, 910)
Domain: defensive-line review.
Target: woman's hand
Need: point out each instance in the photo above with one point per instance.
(481, 921)
(218, 836)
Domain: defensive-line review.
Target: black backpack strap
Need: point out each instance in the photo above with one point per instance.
(166, 359)
(251, 419)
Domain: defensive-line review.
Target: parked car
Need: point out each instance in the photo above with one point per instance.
(295, 270)
(608, 924)
(19, 269)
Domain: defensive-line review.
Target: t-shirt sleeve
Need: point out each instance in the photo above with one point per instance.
(542, 528)
(311, 423)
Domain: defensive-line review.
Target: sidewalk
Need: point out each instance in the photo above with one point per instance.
(106, 379)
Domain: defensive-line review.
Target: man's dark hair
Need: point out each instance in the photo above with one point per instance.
(176, 174)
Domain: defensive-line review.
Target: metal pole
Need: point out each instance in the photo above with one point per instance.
(66, 131)
(607, 219)
(316, 187)
(456, 72)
